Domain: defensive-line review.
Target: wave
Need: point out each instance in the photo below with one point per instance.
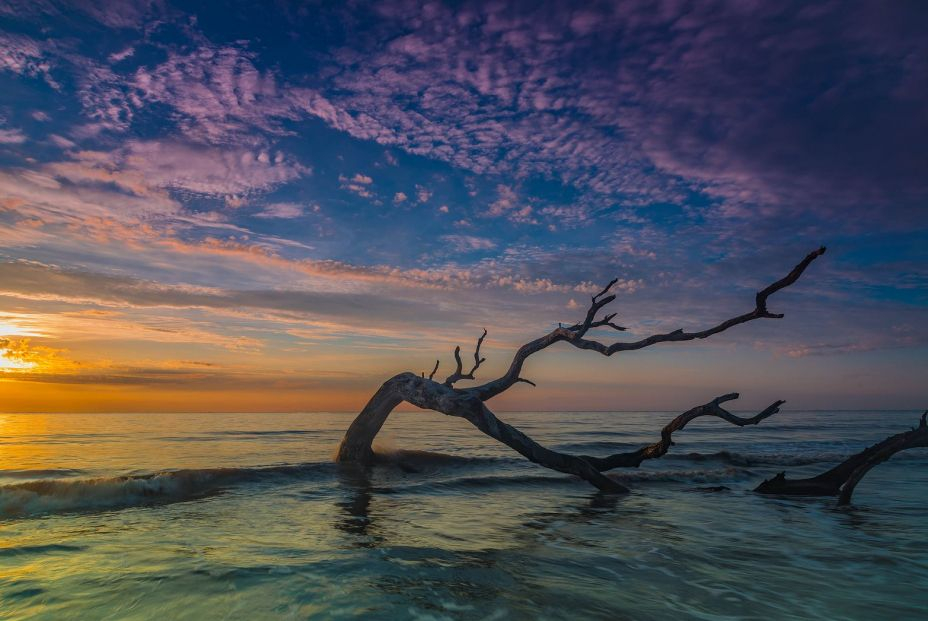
(62, 495)
(774, 459)
(48, 491)
(42, 473)
(415, 458)
(603, 446)
(704, 475)
(38, 549)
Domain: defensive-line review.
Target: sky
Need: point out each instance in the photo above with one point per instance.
(277, 206)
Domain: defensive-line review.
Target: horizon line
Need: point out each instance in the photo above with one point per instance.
(916, 409)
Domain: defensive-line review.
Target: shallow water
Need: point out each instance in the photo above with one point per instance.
(244, 516)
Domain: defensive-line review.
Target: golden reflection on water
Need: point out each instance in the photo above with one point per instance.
(18, 448)
(128, 443)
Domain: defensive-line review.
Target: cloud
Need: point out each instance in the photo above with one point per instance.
(281, 210)
(61, 141)
(12, 136)
(360, 187)
(25, 56)
(218, 93)
(507, 204)
(209, 171)
(468, 243)
(722, 101)
(31, 281)
(144, 167)
(21, 355)
(577, 143)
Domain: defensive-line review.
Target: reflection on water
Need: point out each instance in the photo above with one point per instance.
(245, 517)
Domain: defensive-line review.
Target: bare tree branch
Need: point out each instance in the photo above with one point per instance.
(468, 403)
(842, 479)
(356, 446)
(659, 449)
(574, 334)
(458, 375)
(489, 424)
(445, 399)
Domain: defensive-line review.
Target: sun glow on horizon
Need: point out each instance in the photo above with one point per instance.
(20, 325)
(8, 364)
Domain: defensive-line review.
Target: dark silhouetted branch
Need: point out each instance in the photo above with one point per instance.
(659, 449)
(469, 403)
(458, 375)
(574, 334)
(356, 446)
(842, 479)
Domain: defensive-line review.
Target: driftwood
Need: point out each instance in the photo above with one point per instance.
(658, 449)
(842, 479)
(470, 403)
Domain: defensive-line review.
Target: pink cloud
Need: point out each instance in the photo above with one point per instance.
(281, 210)
(12, 136)
(210, 171)
(468, 243)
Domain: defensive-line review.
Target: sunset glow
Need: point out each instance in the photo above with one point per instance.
(8, 365)
(197, 212)
(463, 309)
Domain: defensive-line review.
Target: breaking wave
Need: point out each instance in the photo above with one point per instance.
(63, 495)
(48, 491)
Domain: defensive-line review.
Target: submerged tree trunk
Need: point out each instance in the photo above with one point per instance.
(469, 403)
(842, 479)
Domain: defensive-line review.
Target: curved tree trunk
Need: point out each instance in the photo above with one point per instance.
(842, 479)
(357, 444)
(469, 403)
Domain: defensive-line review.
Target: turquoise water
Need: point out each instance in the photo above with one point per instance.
(235, 516)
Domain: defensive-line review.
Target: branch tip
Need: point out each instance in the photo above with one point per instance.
(605, 290)
(432, 374)
(574, 334)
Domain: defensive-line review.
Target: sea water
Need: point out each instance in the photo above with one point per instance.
(245, 516)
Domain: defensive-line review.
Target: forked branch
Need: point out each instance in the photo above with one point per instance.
(575, 334)
(469, 403)
(458, 374)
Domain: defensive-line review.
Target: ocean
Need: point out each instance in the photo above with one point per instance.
(245, 516)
